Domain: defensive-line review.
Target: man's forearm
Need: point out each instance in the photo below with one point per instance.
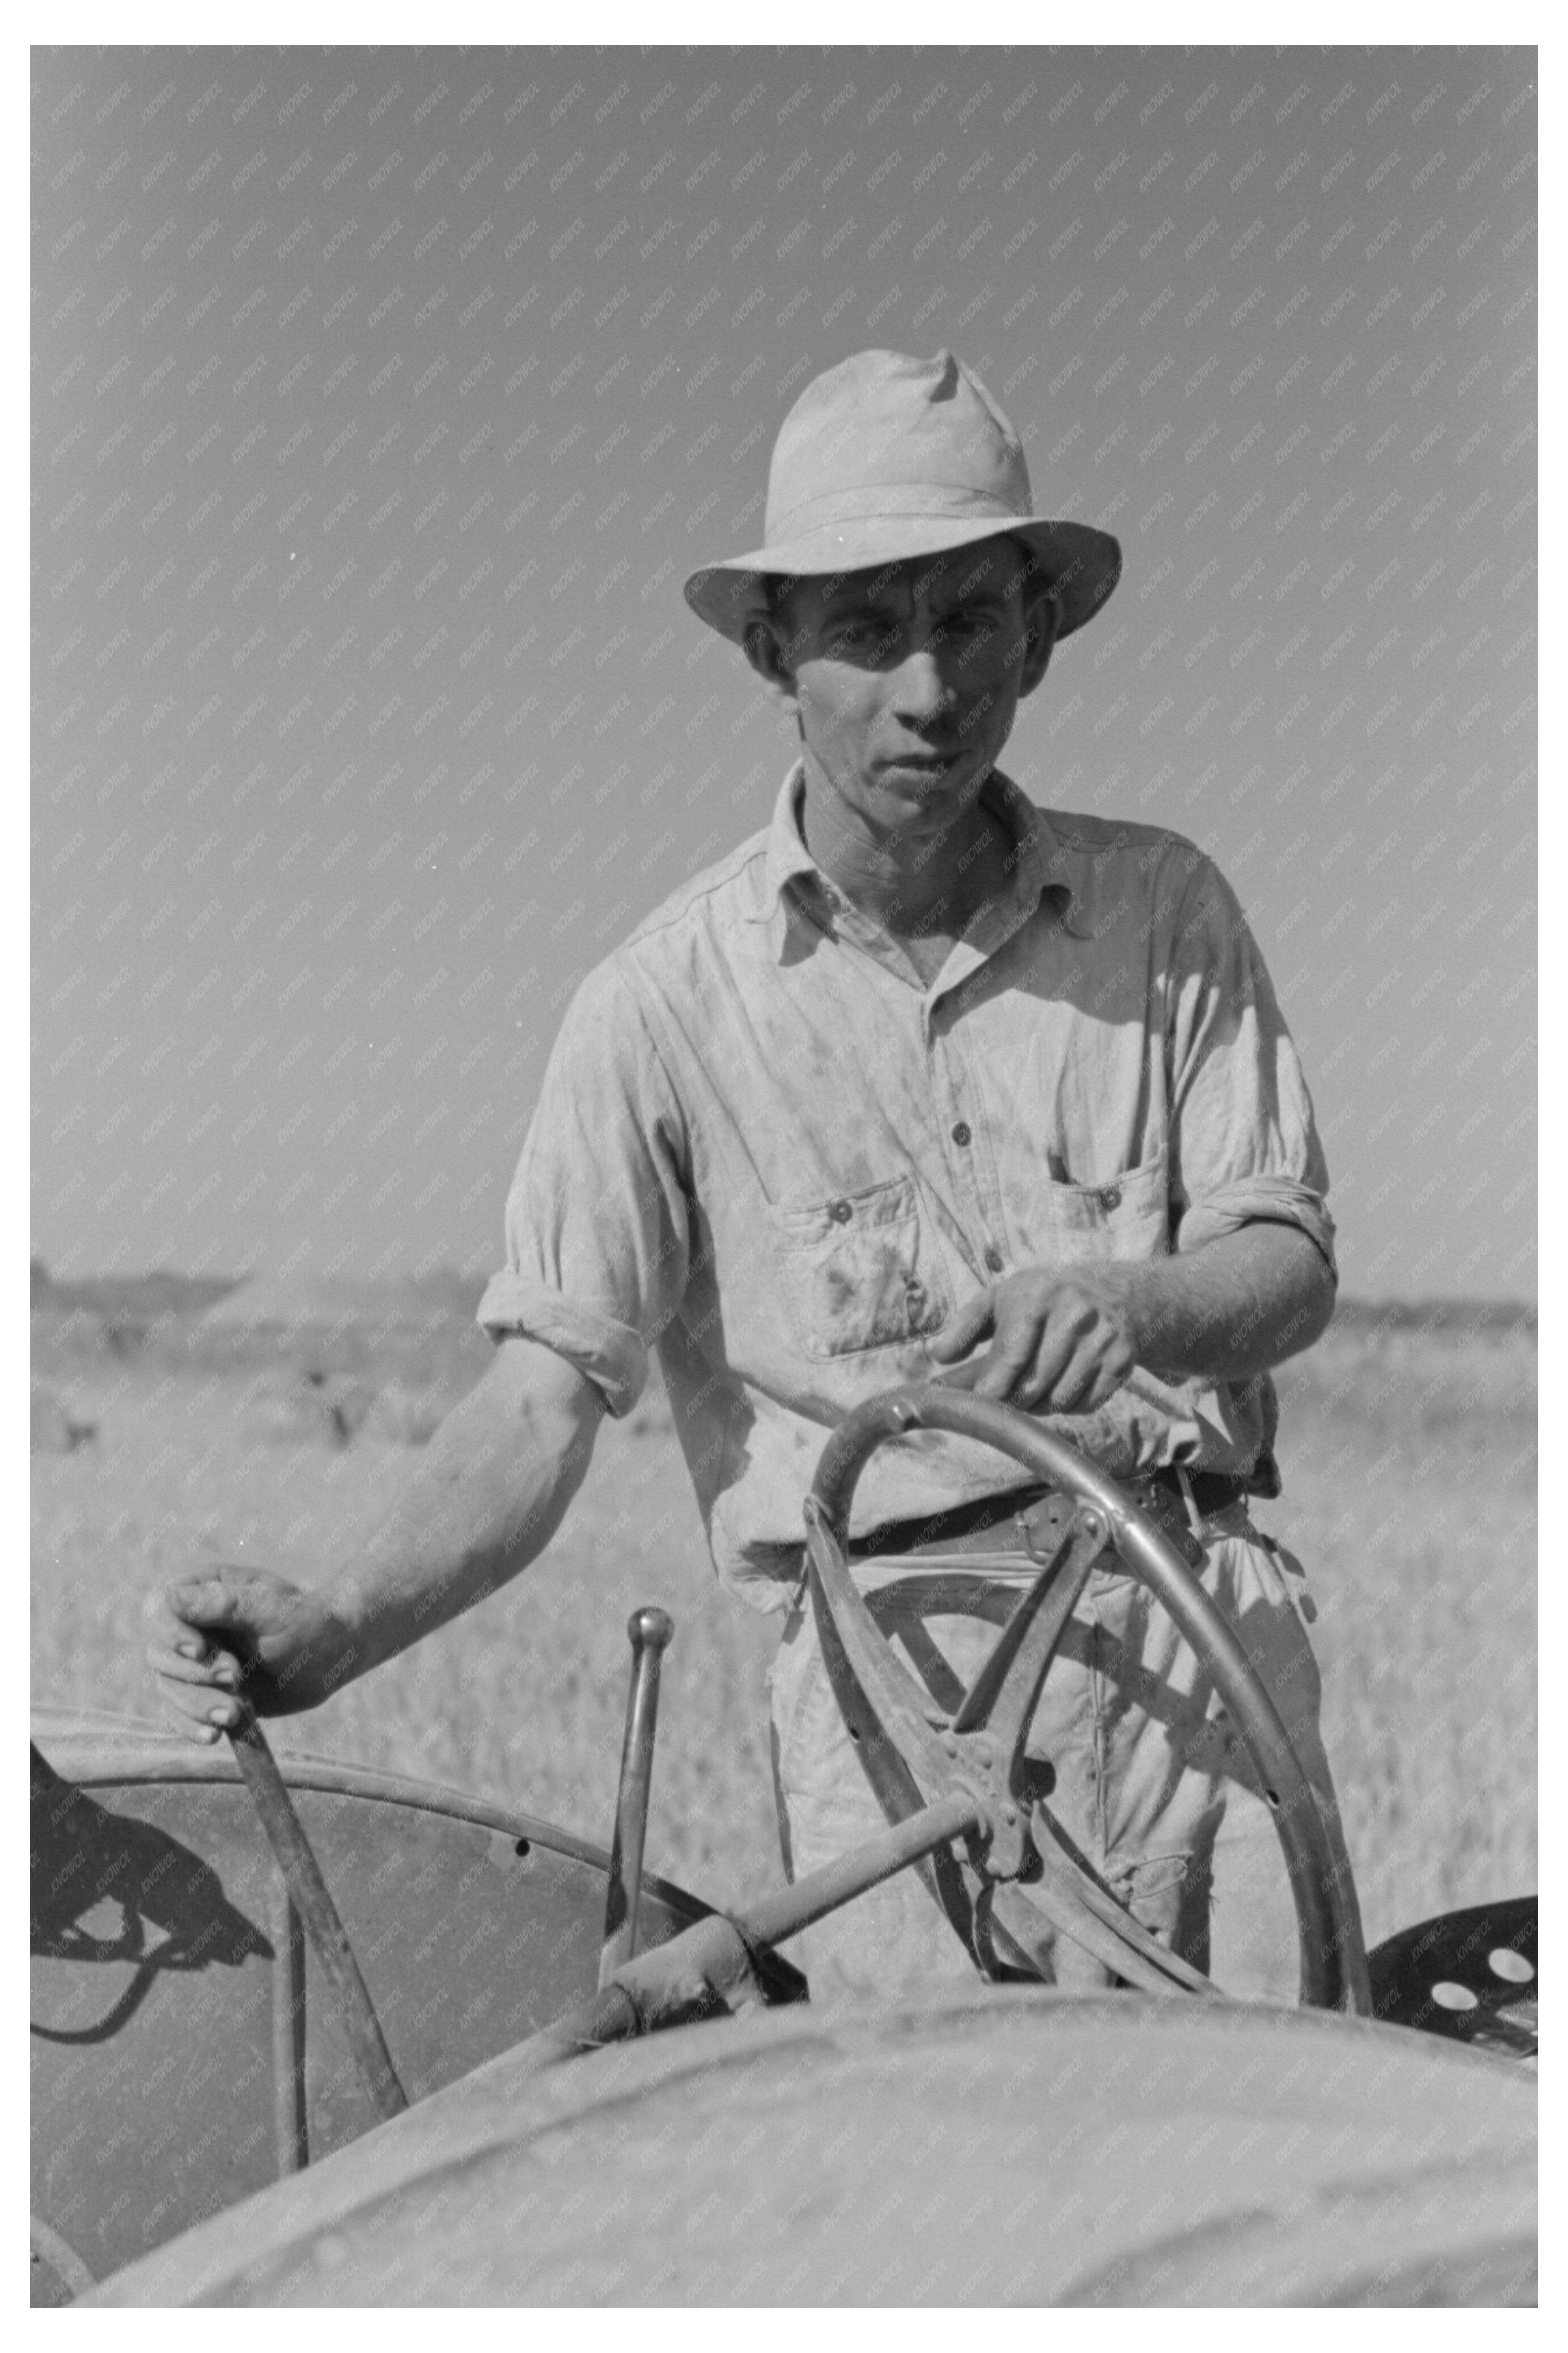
(1232, 1308)
(484, 1501)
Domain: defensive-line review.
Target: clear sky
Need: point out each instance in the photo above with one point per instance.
(382, 402)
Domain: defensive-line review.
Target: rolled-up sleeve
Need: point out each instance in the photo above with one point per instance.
(597, 1232)
(1244, 1141)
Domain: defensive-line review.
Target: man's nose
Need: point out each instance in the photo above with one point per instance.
(923, 688)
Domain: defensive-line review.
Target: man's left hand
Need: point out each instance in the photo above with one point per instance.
(1061, 1341)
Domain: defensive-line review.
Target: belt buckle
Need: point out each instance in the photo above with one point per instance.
(1168, 1502)
(1045, 1527)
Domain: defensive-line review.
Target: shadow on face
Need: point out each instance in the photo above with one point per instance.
(984, 609)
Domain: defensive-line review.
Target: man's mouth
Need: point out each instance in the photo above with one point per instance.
(922, 763)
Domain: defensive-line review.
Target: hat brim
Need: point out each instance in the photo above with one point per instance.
(1081, 563)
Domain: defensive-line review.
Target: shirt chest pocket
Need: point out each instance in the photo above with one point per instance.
(1127, 1218)
(860, 1271)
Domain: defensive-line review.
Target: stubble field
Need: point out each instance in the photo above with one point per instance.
(164, 1440)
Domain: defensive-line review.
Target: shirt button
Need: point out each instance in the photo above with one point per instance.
(960, 1133)
(841, 1213)
(1110, 1197)
(994, 1259)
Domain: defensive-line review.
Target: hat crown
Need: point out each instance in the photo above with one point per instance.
(882, 431)
(888, 460)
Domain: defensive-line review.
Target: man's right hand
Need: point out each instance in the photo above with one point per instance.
(240, 1631)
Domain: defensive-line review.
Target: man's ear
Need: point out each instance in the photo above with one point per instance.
(763, 648)
(1042, 621)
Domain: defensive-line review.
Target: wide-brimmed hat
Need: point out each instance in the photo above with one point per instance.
(885, 457)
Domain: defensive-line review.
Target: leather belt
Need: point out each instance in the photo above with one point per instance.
(1003, 1523)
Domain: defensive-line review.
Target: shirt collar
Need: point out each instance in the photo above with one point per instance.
(788, 856)
(1046, 860)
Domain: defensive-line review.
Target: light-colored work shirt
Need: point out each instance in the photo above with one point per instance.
(765, 1147)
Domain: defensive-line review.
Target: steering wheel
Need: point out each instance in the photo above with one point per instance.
(917, 1763)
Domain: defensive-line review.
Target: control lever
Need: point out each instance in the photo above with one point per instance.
(308, 1893)
(649, 1631)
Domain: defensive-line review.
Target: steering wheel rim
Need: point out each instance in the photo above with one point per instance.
(1328, 1942)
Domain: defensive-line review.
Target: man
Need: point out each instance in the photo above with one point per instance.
(918, 1067)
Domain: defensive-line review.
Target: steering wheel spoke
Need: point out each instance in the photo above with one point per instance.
(1001, 1700)
(898, 1709)
(1076, 1900)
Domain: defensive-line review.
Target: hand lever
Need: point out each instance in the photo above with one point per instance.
(649, 1631)
(302, 1874)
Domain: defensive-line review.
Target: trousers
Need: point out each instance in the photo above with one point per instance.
(1130, 1725)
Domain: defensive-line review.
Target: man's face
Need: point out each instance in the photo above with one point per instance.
(907, 679)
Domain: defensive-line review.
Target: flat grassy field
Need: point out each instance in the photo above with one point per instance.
(1408, 1447)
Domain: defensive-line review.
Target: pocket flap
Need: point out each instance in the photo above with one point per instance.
(887, 1204)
